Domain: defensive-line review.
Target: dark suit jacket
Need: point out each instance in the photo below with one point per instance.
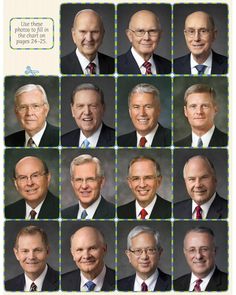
(219, 64)
(105, 210)
(50, 283)
(161, 209)
(218, 138)
(49, 209)
(163, 283)
(217, 210)
(218, 282)
(161, 138)
(106, 137)
(126, 64)
(71, 65)
(50, 137)
(70, 281)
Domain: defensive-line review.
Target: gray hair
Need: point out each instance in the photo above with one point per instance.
(145, 88)
(205, 159)
(146, 158)
(201, 230)
(88, 86)
(31, 87)
(200, 88)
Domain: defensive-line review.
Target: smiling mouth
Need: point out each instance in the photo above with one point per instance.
(143, 121)
(31, 190)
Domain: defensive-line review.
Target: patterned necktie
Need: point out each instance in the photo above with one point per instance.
(84, 214)
(33, 214)
(30, 142)
(33, 287)
(200, 69)
(92, 68)
(144, 287)
(90, 285)
(197, 287)
(148, 66)
(143, 213)
(199, 143)
(85, 143)
(142, 141)
(198, 212)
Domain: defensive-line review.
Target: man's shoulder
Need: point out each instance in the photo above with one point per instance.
(182, 283)
(70, 212)
(182, 64)
(15, 284)
(127, 210)
(71, 274)
(15, 139)
(71, 138)
(15, 210)
(163, 64)
(186, 141)
(128, 139)
(105, 57)
(107, 136)
(126, 284)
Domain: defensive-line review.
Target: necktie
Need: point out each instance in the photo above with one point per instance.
(32, 214)
(84, 214)
(30, 142)
(92, 68)
(33, 287)
(199, 143)
(85, 143)
(90, 285)
(198, 212)
(197, 287)
(142, 141)
(148, 66)
(200, 69)
(143, 213)
(144, 287)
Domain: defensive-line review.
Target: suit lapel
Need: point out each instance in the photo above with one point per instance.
(131, 64)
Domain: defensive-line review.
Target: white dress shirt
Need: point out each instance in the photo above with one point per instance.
(84, 62)
(204, 282)
(90, 210)
(36, 209)
(37, 137)
(205, 207)
(207, 63)
(98, 281)
(140, 61)
(149, 208)
(38, 282)
(150, 282)
(93, 139)
(149, 137)
(206, 138)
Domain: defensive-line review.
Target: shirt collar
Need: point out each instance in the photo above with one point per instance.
(149, 208)
(139, 60)
(149, 137)
(206, 138)
(207, 62)
(150, 282)
(204, 283)
(98, 281)
(37, 137)
(84, 62)
(90, 210)
(93, 139)
(205, 207)
(36, 209)
(38, 282)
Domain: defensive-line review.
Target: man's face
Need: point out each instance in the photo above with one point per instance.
(31, 181)
(199, 44)
(87, 33)
(144, 112)
(200, 112)
(145, 45)
(86, 183)
(146, 264)
(199, 180)
(31, 111)
(200, 252)
(88, 251)
(88, 111)
(32, 255)
(143, 181)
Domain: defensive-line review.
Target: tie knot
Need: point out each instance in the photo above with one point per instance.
(30, 142)
(200, 69)
(197, 287)
(142, 141)
(198, 212)
(144, 287)
(92, 68)
(32, 214)
(90, 285)
(199, 143)
(143, 213)
(84, 214)
(148, 66)
(85, 143)
(33, 287)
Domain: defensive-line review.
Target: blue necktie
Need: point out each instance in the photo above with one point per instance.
(85, 143)
(84, 214)
(200, 69)
(90, 285)
(199, 143)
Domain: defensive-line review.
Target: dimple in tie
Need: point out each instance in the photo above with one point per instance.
(142, 141)
(90, 285)
(92, 68)
(84, 214)
(33, 287)
(200, 69)
(199, 143)
(33, 214)
(148, 66)
(143, 213)
(85, 143)
(30, 142)
(198, 212)
(197, 287)
(144, 287)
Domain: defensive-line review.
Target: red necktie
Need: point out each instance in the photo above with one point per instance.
(32, 214)
(92, 67)
(198, 212)
(142, 141)
(143, 213)
(144, 287)
(197, 287)
(148, 66)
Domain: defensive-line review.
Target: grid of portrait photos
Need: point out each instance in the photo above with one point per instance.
(116, 171)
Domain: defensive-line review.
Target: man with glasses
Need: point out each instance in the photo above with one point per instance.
(87, 180)
(32, 179)
(144, 33)
(200, 253)
(200, 33)
(144, 179)
(144, 252)
(31, 109)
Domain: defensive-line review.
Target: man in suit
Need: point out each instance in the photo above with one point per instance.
(88, 249)
(200, 108)
(88, 107)
(144, 111)
(200, 33)
(144, 34)
(144, 179)
(144, 252)
(200, 253)
(31, 109)
(204, 202)
(87, 33)
(32, 179)
(32, 250)
(87, 180)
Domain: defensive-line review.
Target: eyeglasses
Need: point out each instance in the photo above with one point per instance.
(147, 178)
(148, 251)
(35, 177)
(201, 250)
(25, 107)
(88, 180)
(141, 33)
(192, 32)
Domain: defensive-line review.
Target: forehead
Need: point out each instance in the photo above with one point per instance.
(143, 240)
(197, 20)
(142, 98)
(30, 97)
(142, 167)
(87, 96)
(87, 168)
(85, 237)
(29, 165)
(200, 97)
(27, 240)
(143, 19)
(88, 19)
(195, 239)
(197, 165)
